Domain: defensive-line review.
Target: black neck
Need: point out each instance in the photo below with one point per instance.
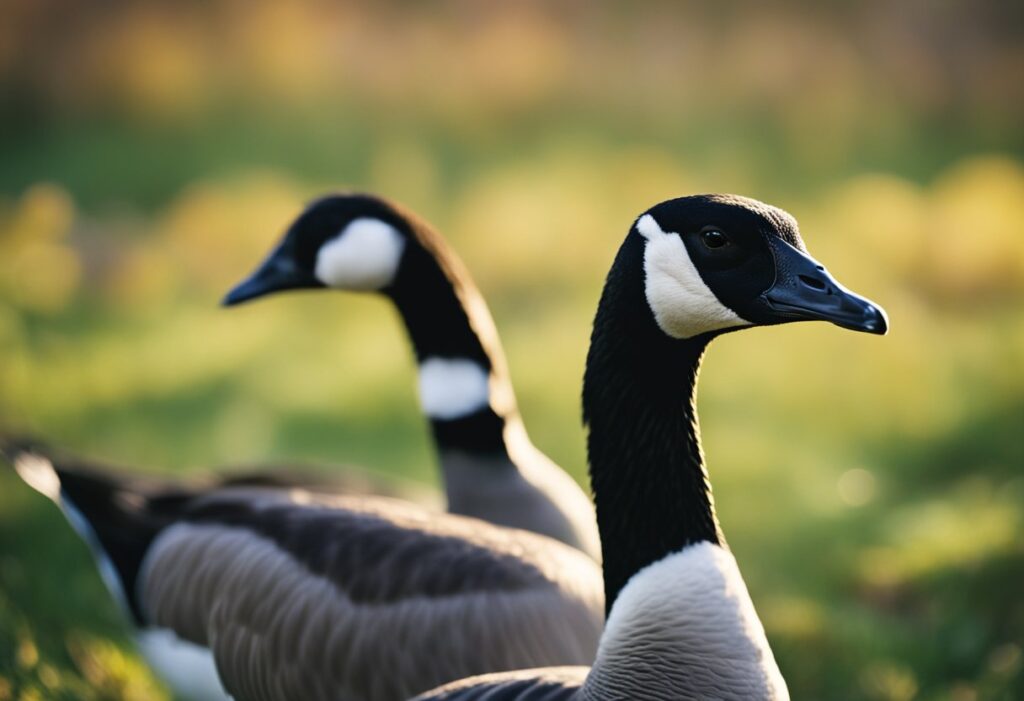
(647, 470)
(429, 292)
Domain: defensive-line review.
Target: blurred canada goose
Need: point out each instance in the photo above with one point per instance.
(250, 590)
(491, 470)
(681, 624)
(366, 571)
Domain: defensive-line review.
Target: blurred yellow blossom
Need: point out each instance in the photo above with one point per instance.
(219, 231)
(976, 230)
(39, 271)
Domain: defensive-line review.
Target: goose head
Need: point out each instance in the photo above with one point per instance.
(347, 242)
(718, 263)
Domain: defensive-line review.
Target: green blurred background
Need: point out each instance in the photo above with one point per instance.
(872, 488)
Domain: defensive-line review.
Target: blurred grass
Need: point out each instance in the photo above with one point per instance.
(871, 488)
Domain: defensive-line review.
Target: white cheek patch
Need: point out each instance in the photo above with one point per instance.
(682, 303)
(451, 388)
(364, 257)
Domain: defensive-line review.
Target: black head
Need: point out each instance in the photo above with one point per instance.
(349, 242)
(715, 263)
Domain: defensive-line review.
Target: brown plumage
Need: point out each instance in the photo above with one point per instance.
(312, 597)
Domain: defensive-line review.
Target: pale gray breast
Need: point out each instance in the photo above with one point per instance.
(545, 502)
(312, 597)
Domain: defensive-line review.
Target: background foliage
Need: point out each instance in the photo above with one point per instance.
(871, 488)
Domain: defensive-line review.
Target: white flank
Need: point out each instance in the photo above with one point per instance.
(682, 303)
(452, 387)
(186, 667)
(363, 257)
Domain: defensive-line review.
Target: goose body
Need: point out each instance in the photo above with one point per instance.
(693, 603)
(681, 623)
(256, 592)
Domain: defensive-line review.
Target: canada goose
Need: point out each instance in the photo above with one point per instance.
(491, 470)
(261, 593)
(681, 624)
(547, 606)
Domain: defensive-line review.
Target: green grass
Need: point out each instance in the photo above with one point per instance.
(905, 585)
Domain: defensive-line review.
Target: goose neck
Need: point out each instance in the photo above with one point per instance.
(651, 488)
(464, 386)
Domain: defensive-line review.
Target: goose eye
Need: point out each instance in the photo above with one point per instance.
(713, 238)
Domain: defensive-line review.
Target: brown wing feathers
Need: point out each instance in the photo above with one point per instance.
(364, 599)
(361, 543)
